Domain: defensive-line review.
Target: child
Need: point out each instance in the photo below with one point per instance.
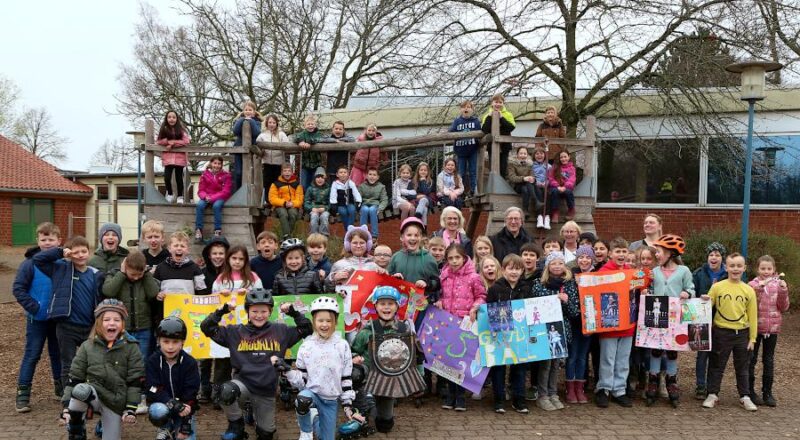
(530, 256)
(317, 200)
(382, 256)
(317, 261)
(107, 373)
(178, 274)
(772, 294)
(541, 168)
(551, 127)
(214, 190)
(436, 248)
(236, 276)
(286, 198)
(295, 278)
(153, 236)
(414, 264)
(426, 192)
(490, 271)
(323, 376)
(735, 330)
(214, 258)
(586, 238)
(250, 115)
(509, 287)
(344, 197)
(557, 280)
(355, 256)
(172, 135)
(172, 382)
(378, 334)
(449, 186)
(520, 176)
(584, 259)
(404, 195)
(374, 200)
(266, 264)
(273, 159)
(483, 248)
(466, 150)
(670, 278)
(507, 125)
(109, 254)
(640, 356)
(309, 160)
(646, 258)
(335, 159)
(601, 248)
(75, 288)
(366, 158)
(561, 180)
(252, 347)
(579, 345)
(703, 278)
(462, 293)
(34, 291)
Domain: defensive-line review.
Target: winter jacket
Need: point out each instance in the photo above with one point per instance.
(703, 279)
(252, 347)
(462, 289)
(215, 186)
(372, 195)
(350, 264)
(75, 293)
(173, 157)
(554, 130)
(501, 290)
(518, 170)
(283, 191)
(317, 197)
(309, 159)
(343, 194)
(272, 157)
(571, 309)
(324, 367)
(772, 302)
(366, 158)
(415, 266)
(540, 172)
(266, 269)
(324, 264)
(427, 188)
(116, 373)
(567, 174)
(504, 243)
(507, 125)
(681, 280)
(137, 296)
(336, 159)
(403, 191)
(462, 239)
(180, 381)
(106, 261)
(302, 282)
(235, 283)
(255, 129)
(446, 185)
(32, 288)
(465, 147)
(211, 272)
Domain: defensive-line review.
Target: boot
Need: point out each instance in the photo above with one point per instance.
(76, 428)
(58, 388)
(651, 394)
(384, 425)
(672, 390)
(570, 213)
(755, 398)
(23, 398)
(554, 216)
(571, 396)
(579, 392)
(235, 430)
(769, 399)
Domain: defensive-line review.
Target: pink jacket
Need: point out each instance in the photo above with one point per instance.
(568, 171)
(462, 289)
(216, 186)
(172, 157)
(366, 158)
(772, 301)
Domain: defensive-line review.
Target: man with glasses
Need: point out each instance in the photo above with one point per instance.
(511, 238)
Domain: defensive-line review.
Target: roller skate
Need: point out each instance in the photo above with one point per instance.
(672, 390)
(651, 394)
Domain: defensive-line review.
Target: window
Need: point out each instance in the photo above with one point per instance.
(126, 192)
(776, 170)
(102, 192)
(649, 171)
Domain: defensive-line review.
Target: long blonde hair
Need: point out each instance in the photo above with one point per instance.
(428, 179)
(487, 283)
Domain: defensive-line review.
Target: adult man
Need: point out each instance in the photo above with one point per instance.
(511, 238)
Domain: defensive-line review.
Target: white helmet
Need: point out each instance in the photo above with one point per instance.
(325, 303)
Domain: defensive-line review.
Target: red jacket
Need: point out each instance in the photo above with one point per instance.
(609, 267)
(772, 301)
(366, 158)
(215, 186)
(462, 289)
(173, 157)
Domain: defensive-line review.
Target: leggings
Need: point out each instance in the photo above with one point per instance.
(168, 171)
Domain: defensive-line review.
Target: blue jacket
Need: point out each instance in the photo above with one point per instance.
(180, 381)
(32, 288)
(703, 281)
(66, 301)
(324, 264)
(255, 130)
(465, 147)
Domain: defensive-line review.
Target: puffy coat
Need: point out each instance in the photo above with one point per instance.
(137, 297)
(116, 373)
(317, 197)
(552, 130)
(366, 158)
(374, 195)
(519, 170)
(216, 186)
(32, 288)
(462, 289)
(302, 282)
(175, 158)
(255, 129)
(68, 301)
(567, 173)
(702, 279)
(283, 191)
(272, 157)
(772, 301)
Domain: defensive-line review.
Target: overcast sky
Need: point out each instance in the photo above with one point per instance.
(65, 55)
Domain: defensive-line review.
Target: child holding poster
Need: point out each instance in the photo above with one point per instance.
(704, 277)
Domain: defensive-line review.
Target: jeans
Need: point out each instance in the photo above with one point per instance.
(348, 215)
(216, 207)
(238, 165)
(112, 422)
(768, 358)
(578, 353)
(657, 359)
(701, 368)
(725, 342)
(319, 223)
(70, 337)
(287, 217)
(527, 191)
(263, 408)
(36, 333)
(143, 337)
(423, 205)
(158, 410)
(468, 166)
(614, 366)
(447, 201)
(547, 380)
(454, 391)
(306, 177)
(556, 197)
(325, 425)
(517, 379)
(369, 214)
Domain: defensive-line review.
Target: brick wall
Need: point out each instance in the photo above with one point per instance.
(5, 221)
(61, 209)
(612, 222)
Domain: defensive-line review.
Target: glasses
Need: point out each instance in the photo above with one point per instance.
(514, 219)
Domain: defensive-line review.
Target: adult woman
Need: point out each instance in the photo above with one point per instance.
(452, 231)
(570, 234)
(653, 229)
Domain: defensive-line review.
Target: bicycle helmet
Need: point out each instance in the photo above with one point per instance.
(171, 327)
(325, 303)
(291, 244)
(111, 305)
(671, 241)
(258, 296)
(385, 292)
(412, 221)
(718, 247)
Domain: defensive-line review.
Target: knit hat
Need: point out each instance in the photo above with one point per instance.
(320, 172)
(716, 246)
(585, 250)
(111, 305)
(112, 227)
(553, 256)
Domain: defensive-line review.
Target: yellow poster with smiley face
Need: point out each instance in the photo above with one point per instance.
(193, 309)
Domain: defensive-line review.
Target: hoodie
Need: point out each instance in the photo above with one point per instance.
(465, 147)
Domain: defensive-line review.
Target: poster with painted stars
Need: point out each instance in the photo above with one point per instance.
(450, 352)
(357, 292)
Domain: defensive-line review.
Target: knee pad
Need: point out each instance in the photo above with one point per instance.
(229, 393)
(158, 413)
(303, 404)
(672, 355)
(262, 434)
(83, 392)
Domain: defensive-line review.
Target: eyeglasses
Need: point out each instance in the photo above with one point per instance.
(513, 219)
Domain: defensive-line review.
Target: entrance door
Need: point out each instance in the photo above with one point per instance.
(26, 214)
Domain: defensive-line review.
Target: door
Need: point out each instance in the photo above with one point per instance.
(26, 215)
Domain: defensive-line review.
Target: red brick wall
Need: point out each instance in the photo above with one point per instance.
(5, 220)
(61, 209)
(627, 222)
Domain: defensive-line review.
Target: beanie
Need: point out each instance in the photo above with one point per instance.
(110, 227)
(585, 250)
(320, 172)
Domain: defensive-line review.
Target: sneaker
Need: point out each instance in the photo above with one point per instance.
(601, 399)
(476, 396)
(748, 404)
(306, 436)
(756, 399)
(539, 221)
(163, 434)
(461, 404)
(23, 404)
(556, 402)
(198, 236)
(547, 222)
(447, 403)
(700, 392)
(544, 404)
(498, 408)
(531, 394)
(519, 405)
(217, 232)
(711, 401)
(142, 408)
(170, 198)
(623, 401)
(180, 200)
(770, 401)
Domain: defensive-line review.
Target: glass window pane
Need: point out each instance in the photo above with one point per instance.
(42, 211)
(126, 192)
(21, 211)
(102, 192)
(649, 171)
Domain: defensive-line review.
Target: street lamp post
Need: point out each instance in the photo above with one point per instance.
(138, 143)
(753, 73)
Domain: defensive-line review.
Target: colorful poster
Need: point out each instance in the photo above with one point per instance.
(608, 300)
(698, 315)
(520, 331)
(358, 290)
(193, 309)
(451, 352)
(302, 303)
(667, 323)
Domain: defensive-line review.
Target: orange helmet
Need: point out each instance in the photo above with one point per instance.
(671, 241)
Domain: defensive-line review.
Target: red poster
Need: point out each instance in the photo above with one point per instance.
(608, 299)
(359, 289)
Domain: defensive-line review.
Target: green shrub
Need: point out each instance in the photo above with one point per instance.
(786, 253)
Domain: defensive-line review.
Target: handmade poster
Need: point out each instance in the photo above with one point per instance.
(668, 323)
(358, 290)
(301, 303)
(193, 309)
(451, 352)
(520, 331)
(608, 300)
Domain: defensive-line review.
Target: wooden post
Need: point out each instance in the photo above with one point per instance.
(149, 156)
(247, 162)
(494, 164)
(481, 170)
(589, 151)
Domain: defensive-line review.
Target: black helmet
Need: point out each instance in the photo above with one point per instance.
(171, 327)
(258, 296)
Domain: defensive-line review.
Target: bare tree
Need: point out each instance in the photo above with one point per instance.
(117, 154)
(9, 92)
(35, 132)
